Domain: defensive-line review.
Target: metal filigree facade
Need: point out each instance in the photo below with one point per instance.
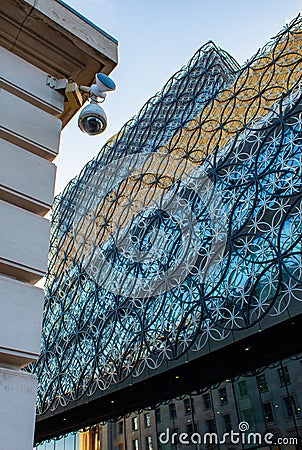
(185, 228)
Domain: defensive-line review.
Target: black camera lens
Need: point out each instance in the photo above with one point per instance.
(93, 125)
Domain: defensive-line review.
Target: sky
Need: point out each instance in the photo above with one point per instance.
(156, 38)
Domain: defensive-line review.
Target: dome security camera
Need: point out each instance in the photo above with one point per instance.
(92, 119)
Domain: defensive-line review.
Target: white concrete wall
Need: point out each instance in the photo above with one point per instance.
(17, 404)
(25, 238)
(37, 39)
(29, 141)
(19, 300)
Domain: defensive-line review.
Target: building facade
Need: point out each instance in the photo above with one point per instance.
(174, 281)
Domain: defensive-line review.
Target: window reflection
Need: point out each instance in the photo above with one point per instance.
(269, 400)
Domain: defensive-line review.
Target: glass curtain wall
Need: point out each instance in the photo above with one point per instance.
(268, 400)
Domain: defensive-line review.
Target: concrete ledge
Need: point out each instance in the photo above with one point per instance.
(24, 243)
(26, 179)
(17, 410)
(28, 126)
(21, 308)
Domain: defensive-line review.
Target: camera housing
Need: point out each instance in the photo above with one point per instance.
(92, 119)
(103, 84)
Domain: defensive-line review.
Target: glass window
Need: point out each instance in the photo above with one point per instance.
(70, 442)
(189, 406)
(211, 425)
(207, 403)
(157, 415)
(59, 444)
(268, 412)
(227, 422)
(191, 428)
(149, 445)
(242, 388)
(134, 423)
(262, 383)
(176, 432)
(172, 411)
(120, 427)
(248, 416)
(290, 405)
(135, 444)
(284, 376)
(223, 396)
(147, 420)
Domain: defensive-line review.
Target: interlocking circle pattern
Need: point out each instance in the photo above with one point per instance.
(168, 228)
(185, 228)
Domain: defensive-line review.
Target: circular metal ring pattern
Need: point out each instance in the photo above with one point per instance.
(186, 227)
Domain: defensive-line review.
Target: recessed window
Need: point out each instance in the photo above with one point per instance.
(207, 402)
(262, 383)
(191, 428)
(134, 423)
(248, 416)
(149, 445)
(189, 406)
(147, 420)
(120, 427)
(290, 405)
(284, 376)
(242, 388)
(135, 444)
(268, 412)
(175, 432)
(172, 411)
(223, 396)
(227, 422)
(211, 425)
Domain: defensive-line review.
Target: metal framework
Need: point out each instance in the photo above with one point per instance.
(185, 228)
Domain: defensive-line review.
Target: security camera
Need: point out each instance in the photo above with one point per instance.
(103, 85)
(92, 119)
